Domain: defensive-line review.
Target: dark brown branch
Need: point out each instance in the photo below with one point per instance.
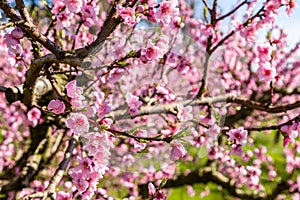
(7, 24)
(123, 133)
(3, 89)
(110, 24)
(262, 107)
(274, 127)
(31, 30)
(205, 175)
(169, 108)
(232, 11)
(206, 4)
(23, 11)
(209, 174)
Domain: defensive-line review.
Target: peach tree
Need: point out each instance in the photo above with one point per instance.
(148, 99)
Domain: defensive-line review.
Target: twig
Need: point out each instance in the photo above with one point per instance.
(232, 11)
(137, 138)
(274, 127)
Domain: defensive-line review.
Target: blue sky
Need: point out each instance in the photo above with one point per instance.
(290, 24)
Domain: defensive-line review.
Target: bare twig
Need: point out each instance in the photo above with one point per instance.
(232, 11)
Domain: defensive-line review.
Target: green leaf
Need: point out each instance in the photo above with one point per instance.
(183, 133)
(134, 130)
(142, 140)
(163, 182)
(131, 53)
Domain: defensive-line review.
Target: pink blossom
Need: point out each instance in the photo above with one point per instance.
(190, 190)
(253, 174)
(160, 195)
(151, 16)
(127, 14)
(184, 113)
(206, 29)
(10, 40)
(292, 5)
(85, 164)
(61, 195)
(151, 189)
(272, 174)
(287, 141)
(134, 103)
(78, 122)
(167, 11)
(291, 130)
(103, 109)
(77, 103)
(177, 151)
(99, 146)
(63, 19)
(140, 9)
(81, 184)
(17, 33)
(139, 146)
(107, 122)
(163, 43)
(205, 193)
(115, 75)
(73, 91)
(236, 149)
(238, 136)
(213, 131)
(264, 52)
(73, 5)
(58, 6)
(266, 71)
(150, 53)
(90, 110)
(88, 11)
(34, 116)
(56, 106)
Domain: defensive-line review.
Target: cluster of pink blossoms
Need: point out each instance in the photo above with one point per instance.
(291, 133)
(266, 71)
(206, 136)
(75, 94)
(177, 151)
(154, 52)
(13, 40)
(67, 10)
(167, 13)
(156, 194)
(238, 138)
(92, 167)
(133, 103)
(15, 48)
(102, 105)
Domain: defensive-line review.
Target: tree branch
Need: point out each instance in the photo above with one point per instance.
(232, 11)
(31, 30)
(209, 174)
(169, 108)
